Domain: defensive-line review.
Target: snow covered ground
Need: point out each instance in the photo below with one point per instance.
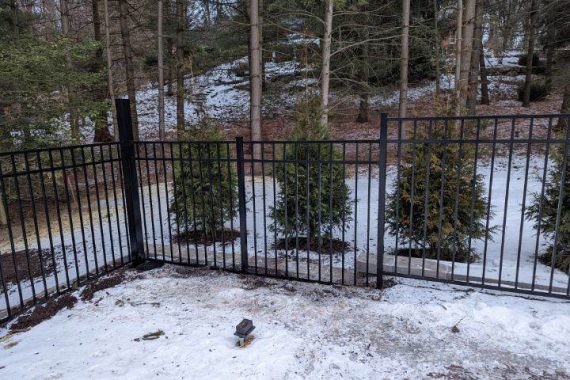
(410, 331)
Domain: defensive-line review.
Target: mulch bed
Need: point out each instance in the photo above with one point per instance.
(20, 271)
(201, 237)
(43, 312)
(561, 262)
(103, 283)
(444, 255)
(338, 246)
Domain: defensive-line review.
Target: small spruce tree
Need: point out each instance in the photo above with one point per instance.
(543, 211)
(204, 191)
(459, 206)
(314, 199)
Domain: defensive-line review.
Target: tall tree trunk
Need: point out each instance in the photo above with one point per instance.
(326, 62)
(255, 72)
(565, 108)
(467, 47)
(207, 14)
(171, 69)
(180, 89)
(437, 50)
(3, 216)
(66, 30)
(471, 102)
(102, 133)
(160, 72)
(263, 78)
(530, 52)
(219, 11)
(110, 69)
(458, 55)
(405, 58)
(484, 79)
(129, 69)
(550, 50)
(363, 114)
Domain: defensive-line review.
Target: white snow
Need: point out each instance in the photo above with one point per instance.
(302, 331)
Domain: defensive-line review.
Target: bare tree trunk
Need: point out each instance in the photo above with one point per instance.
(565, 108)
(255, 72)
(549, 62)
(364, 106)
(458, 55)
(3, 215)
(530, 53)
(171, 69)
(484, 79)
(325, 70)
(263, 78)
(467, 42)
(405, 58)
(471, 102)
(102, 133)
(437, 50)
(207, 14)
(129, 69)
(160, 73)
(65, 28)
(180, 89)
(110, 69)
(219, 11)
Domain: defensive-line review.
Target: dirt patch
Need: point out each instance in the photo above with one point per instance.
(101, 284)
(444, 255)
(43, 312)
(313, 244)
(16, 268)
(202, 237)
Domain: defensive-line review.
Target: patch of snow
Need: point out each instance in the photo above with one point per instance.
(302, 331)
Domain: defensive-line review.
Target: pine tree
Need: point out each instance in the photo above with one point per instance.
(441, 176)
(544, 212)
(205, 193)
(309, 188)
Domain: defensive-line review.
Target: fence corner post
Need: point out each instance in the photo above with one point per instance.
(382, 199)
(242, 205)
(130, 180)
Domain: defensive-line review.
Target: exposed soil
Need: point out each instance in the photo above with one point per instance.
(324, 246)
(106, 282)
(43, 312)
(15, 267)
(462, 256)
(203, 237)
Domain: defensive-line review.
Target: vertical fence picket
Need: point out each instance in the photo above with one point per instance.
(242, 204)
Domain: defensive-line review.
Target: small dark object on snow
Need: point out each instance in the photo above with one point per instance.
(243, 329)
(151, 336)
(149, 265)
(455, 329)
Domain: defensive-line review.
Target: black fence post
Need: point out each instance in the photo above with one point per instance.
(382, 198)
(242, 205)
(130, 180)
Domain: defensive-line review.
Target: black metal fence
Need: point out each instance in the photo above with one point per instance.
(482, 201)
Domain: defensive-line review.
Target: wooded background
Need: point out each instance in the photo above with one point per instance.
(62, 61)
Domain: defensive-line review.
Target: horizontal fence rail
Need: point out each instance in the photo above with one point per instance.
(479, 201)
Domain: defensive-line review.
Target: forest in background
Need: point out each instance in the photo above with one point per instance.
(62, 61)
